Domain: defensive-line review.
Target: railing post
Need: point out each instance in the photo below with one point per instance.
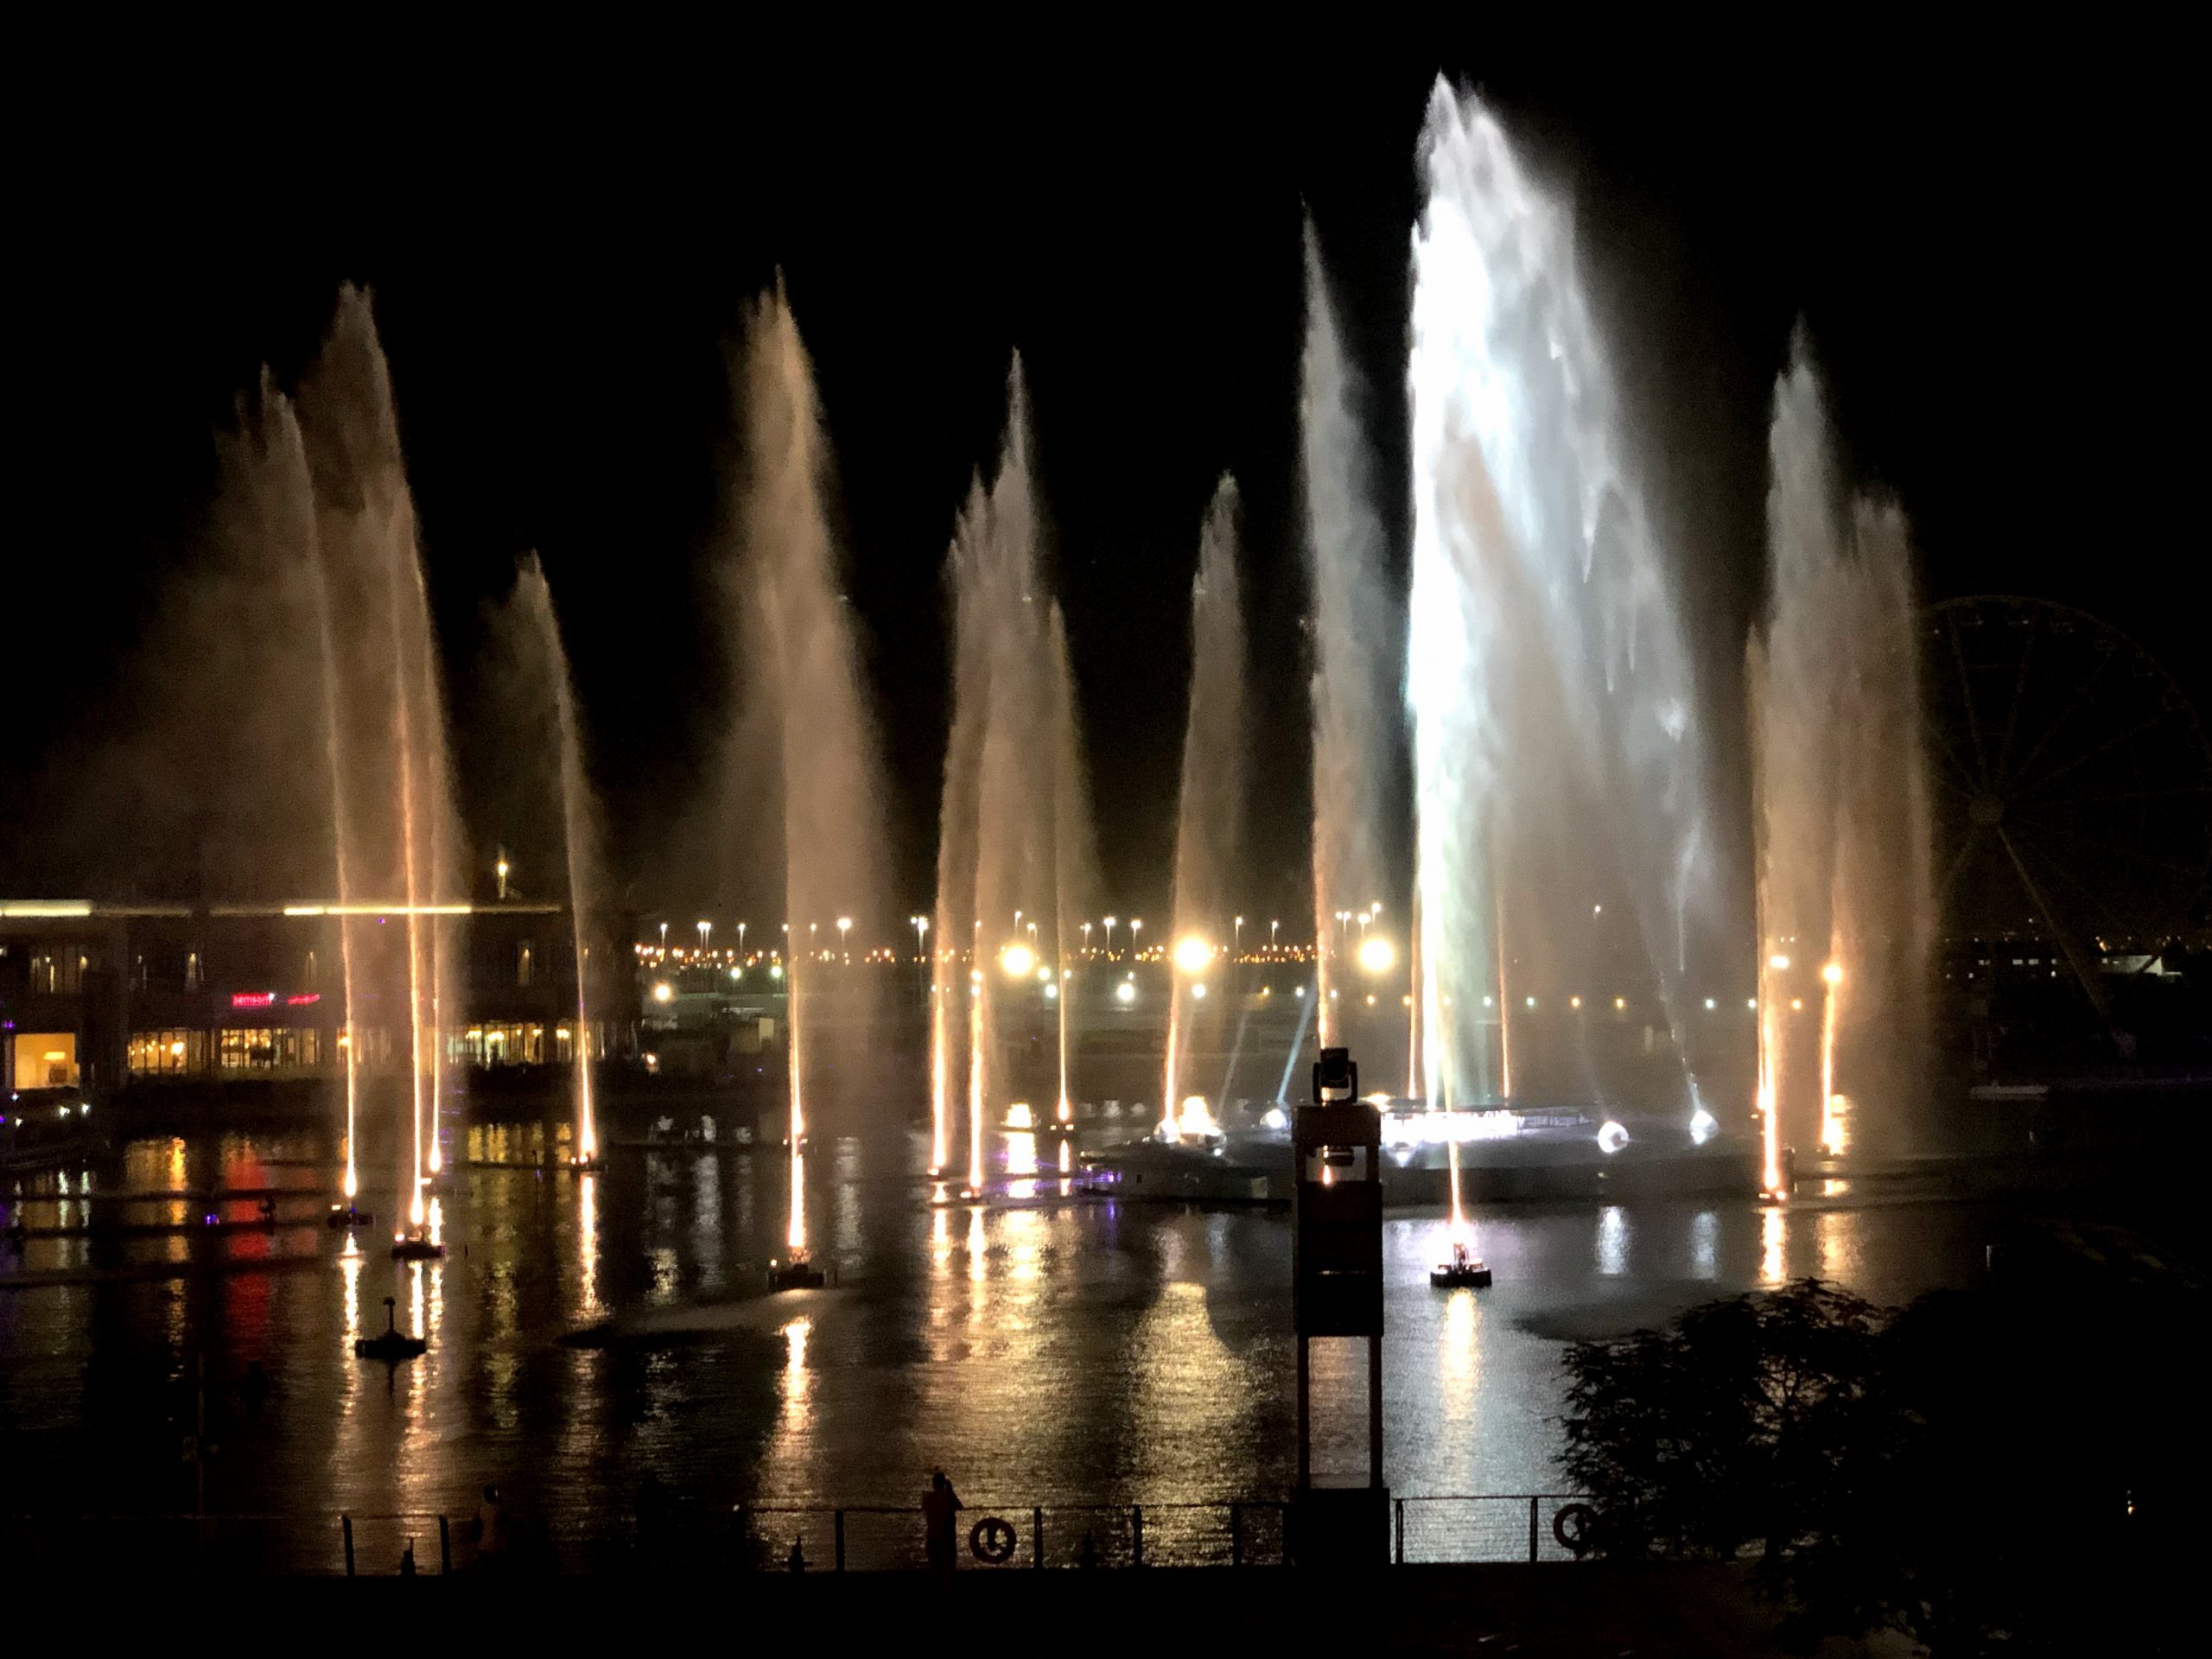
(1136, 1534)
(445, 1545)
(1400, 1505)
(346, 1527)
(1236, 1535)
(1533, 1502)
(841, 1540)
(1036, 1536)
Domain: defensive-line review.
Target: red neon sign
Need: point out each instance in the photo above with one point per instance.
(303, 1000)
(252, 999)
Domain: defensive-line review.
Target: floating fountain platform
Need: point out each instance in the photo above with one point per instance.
(797, 1273)
(391, 1344)
(1465, 1271)
(346, 1215)
(418, 1249)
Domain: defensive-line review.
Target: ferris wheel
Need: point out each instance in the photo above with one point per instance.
(2072, 781)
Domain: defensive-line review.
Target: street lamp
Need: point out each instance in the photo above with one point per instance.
(1135, 928)
(664, 938)
(500, 869)
(1274, 928)
(921, 937)
(1236, 939)
(706, 931)
(1086, 938)
(844, 935)
(1109, 936)
(741, 941)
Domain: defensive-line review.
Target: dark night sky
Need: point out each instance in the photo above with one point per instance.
(1987, 249)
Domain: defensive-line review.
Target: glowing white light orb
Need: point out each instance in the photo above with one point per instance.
(1125, 993)
(1777, 961)
(1192, 954)
(1199, 991)
(1832, 973)
(1052, 993)
(1274, 1118)
(1017, 1116)
(662, 990)
(1702, 1127)
(1376, 954)
(1611, 1138)
(1709, 1005)
(1019, 961)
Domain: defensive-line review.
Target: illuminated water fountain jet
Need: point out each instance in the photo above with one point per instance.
(1839, 792)
(814, 761)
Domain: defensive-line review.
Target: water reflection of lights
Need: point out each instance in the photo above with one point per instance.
(1019, 1116)
(1461, 1359)
(1774, 1229)
(1705, 1244)
(940, 1240)
(978, 1252)
(587, 1244)
(1613, 1234)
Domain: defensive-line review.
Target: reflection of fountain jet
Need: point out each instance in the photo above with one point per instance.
(814, 765)
(1547, 671)
(1843, 870)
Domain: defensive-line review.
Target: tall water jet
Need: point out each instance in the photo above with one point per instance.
(1075, 855)
(800, 664)
(1547, 669)
(581, 839)
(1846, 900)
(1352, 737)
(1013, 836)
(1211, 805)
(398, 807)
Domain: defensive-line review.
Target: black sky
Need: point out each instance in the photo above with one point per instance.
(1988, 244)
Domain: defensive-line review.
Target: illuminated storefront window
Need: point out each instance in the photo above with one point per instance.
(167, 1053)
(267, 1048)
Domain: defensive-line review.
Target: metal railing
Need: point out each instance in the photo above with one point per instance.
(769, 1537)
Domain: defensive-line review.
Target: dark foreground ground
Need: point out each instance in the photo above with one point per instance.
(1569, 1611)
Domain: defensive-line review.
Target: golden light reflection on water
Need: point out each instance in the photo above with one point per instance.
(978, 1251)
(1774, 1231)
(1459, 1356)
(588, 1246)
(1192, 1391)
(1023, 1231)
(1705, 1244)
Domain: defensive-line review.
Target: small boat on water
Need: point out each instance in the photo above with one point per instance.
(390, 1344)
(416, 1248)
(345, 1217)
(1465, 1271)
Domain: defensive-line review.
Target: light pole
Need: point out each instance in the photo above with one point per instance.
(1110, 937)
(1136, 927)
(921, 937)
(663, 939)
(1086, 938)
(500, 869)
(1236, 939)
(844, 936)
(706, 931)
(741, 941)
(1274, 928)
